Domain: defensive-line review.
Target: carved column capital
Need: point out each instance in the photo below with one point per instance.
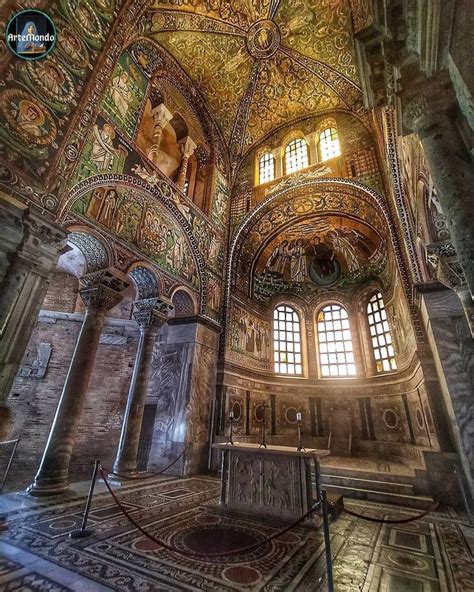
(102, 290)
(424, 104)
(151, 312)
(187, 147)
(161, 115)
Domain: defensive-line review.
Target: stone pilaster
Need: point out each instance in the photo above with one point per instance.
(428, 112)
(100, 291)
(150, 314)
(187, 147)
(161, 117)
(30, 246)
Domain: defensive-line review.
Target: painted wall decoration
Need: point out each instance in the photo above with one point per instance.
(125, 93)
(143, 224)
(250, 335)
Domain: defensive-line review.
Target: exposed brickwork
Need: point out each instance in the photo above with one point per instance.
(62, 293)
(33, 402)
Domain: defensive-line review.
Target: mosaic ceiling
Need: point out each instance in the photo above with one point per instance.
(261, 63)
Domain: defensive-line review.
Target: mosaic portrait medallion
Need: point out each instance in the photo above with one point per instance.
(263, 39)
(27, 119)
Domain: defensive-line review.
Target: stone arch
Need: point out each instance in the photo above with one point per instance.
(163, 193)
(184, 302)
(289, 190)
(147, 282)
(96, 254)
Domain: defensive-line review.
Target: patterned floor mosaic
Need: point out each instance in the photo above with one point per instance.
(430, 555)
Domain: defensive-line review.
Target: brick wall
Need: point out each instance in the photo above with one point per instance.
(62, 293)
(33, 401)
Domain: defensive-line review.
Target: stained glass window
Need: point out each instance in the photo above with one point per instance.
(336, 354)
(296, 156)
(287, 340)
(329, 144)
(380, 335)
(266, 168)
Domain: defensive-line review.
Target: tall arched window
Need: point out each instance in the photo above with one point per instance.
(296, 156)
(287, 340)
(329, 146)
(336, 354)
(382, 344)
(266, 168)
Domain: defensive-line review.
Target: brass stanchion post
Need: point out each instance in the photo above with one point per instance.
(327, 542)
(84, 531)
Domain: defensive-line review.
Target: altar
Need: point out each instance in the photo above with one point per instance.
(275, 482)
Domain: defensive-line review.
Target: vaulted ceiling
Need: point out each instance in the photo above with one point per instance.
(260, 64)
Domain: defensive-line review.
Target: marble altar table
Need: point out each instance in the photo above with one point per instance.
(273, 482)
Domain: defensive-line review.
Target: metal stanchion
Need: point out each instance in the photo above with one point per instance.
(463, 493)
(83, 531)
(10, 461)
(327, 542)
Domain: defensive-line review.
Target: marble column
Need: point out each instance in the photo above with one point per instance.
(30, 245)
(429, 113)
(100, 292)
(161, 117)
(187, 147)
(150, 314)
(278, 155)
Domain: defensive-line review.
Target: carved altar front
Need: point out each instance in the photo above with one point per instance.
(275, 482)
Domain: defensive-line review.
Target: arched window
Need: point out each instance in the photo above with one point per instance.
(266, 168)
(382, 345)
(287, 340)
(336, 354)
(296, 156)
(329, 144)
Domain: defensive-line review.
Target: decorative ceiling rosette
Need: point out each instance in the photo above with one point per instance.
(260, 64)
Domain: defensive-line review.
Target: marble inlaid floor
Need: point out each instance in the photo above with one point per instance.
(430, 555)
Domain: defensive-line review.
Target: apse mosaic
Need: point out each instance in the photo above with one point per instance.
(141, 223)
(317, 254)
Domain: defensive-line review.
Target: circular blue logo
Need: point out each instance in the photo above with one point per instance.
(30, 34)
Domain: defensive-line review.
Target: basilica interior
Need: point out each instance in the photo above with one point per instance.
(228, 220)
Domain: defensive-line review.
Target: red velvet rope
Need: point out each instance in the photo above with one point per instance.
(138, 478)
(204, 556)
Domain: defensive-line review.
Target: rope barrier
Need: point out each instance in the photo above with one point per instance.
(432, 508)
(205, 556)
(138, 478)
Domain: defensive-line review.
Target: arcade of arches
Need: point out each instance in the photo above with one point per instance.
(253, 209)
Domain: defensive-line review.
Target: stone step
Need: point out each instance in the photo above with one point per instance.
(386, 497)
(364, 482)
(370, 475)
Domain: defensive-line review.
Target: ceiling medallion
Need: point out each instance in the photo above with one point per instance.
(263, 39)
